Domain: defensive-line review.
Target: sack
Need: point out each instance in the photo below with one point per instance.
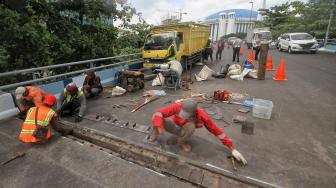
(41, 131)
(116, 91)
(236, 77)
(234, 66)
(204, 74)
(234, 72)
(159, 80)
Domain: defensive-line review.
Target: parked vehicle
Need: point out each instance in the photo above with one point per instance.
(182, 42)
(252, 33)
(298, 42)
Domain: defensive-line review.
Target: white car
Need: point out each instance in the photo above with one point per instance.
(298, 42)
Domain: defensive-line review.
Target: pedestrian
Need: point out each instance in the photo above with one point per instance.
(220, 48)
(182, 118)
(72, 99)
(28, 97)
(208, 50)
(236, 48)
(258, 46)
(92, 86)
(39, 120)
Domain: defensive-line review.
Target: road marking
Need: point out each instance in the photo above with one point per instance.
(213, 166)
(262, 182)
(156, 172)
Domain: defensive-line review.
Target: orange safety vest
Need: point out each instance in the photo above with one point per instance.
(35, 95)
(45, 115)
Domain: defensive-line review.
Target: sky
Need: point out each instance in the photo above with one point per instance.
(196, 10)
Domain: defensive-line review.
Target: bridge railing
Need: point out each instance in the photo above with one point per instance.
(65, 70)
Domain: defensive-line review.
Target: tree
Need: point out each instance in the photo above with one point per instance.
(311, 17)
(36, 33)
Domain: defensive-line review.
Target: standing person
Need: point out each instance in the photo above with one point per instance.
(92, 86)
(182, 118)
(208, 50)
(36, 127)
(236, 48)
(258, 46)
(28, 97)
(71, 99)
(220, 48)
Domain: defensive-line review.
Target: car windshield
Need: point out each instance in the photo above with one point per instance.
(302, 37)
(159, 41)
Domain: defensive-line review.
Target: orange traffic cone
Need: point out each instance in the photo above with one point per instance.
(241, 52)
(269, 64)
(280, 73)
(250, 56)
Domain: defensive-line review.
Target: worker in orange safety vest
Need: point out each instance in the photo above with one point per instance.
(28, 97)
(36, 127)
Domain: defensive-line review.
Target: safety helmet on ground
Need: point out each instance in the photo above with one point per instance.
(19, 92)
(49, 99)
(72, 88)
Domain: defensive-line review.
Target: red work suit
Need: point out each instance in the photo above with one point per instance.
(202, 118)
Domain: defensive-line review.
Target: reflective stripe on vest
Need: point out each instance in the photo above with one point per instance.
(45, 115)
(69, 98)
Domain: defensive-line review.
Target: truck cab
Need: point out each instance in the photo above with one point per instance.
(160, 48)
(184, 42)
(263, 35)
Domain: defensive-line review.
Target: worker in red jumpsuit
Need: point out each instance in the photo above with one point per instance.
(182, 118)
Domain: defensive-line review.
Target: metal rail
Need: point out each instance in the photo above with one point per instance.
(128, 62)
(65, 65)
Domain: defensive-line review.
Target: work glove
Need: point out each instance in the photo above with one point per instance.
(78, 119)
(239, 157)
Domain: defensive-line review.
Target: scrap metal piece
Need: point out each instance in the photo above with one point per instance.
(247, 128)
(18, 155)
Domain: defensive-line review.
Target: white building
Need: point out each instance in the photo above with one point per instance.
(230, 21)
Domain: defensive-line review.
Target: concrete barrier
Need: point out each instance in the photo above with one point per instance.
(7, 107)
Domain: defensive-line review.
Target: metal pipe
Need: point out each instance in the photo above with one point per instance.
(66, 74)
(63, 65)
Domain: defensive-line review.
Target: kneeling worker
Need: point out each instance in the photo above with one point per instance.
(71, 99)
(92, 86)
(28, 97)
(36, 127)
(182, 118)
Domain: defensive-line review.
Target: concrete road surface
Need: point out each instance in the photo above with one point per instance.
(296, 148)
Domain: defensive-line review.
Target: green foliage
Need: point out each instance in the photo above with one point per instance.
(311, 17)
(36, 33)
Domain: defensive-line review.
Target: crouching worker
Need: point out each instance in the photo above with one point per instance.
(28, 97)
(92, 86)
(36, 127)
(182, 118)
(72, 99)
